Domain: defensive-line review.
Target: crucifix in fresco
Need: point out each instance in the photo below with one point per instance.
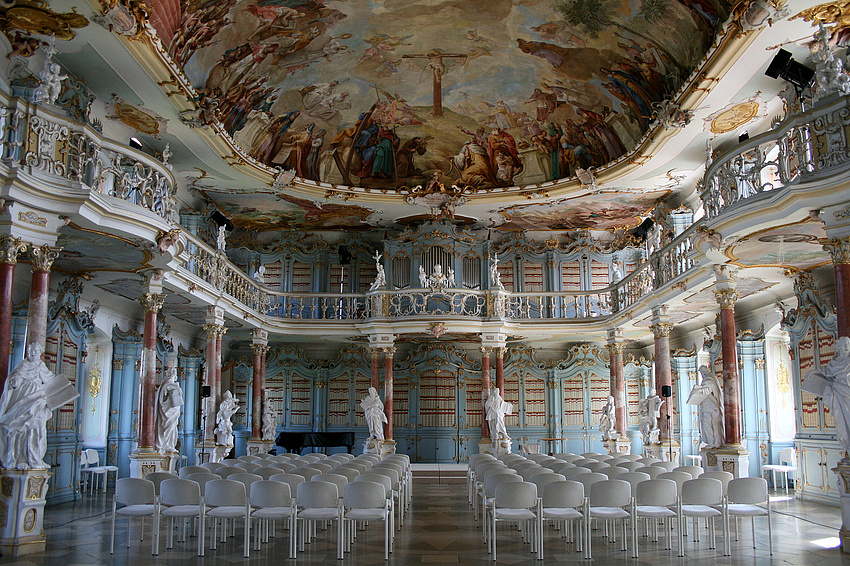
(435, 63)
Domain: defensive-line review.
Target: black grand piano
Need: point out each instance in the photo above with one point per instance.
(296, 441)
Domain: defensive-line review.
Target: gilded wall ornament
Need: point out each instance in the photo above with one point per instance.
(34, 16)
(152, 302)
(10, 247)
(95, 378)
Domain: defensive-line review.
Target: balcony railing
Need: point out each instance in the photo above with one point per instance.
(802, 148)
(43, 143)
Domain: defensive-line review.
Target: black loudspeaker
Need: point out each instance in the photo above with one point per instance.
(666, 391)
(206, 391)
(784, 67)
(344, 256)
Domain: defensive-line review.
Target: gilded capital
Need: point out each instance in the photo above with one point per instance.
(10, 247)
(485, 350)
(43, 257)
(726, 298)
(389, 352)
(260, 348)
(837, 248)
(500, 352)
(615, 348)
(374, 353)
(152, 302)
(660, 329)
(215, 330)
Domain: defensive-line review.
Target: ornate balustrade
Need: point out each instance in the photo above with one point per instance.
(44, 143)
(802, 148)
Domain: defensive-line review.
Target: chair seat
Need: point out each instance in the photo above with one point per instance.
(367, 514)
(700, 511)
(561, 513)
(609, 512)
(136, 510)
(654, 511)
(779, 468)
(227, 512)
(272, 513)
(319, 513)
(181, 511)
(746, 510)
(514, 514)
(96, 470)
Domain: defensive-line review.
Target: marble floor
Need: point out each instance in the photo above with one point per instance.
(439, 530)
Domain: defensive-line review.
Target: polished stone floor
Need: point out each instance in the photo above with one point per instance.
(440, 530)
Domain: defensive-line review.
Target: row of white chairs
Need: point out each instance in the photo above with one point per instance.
(91, 470)
(624, 495)
(253, 498)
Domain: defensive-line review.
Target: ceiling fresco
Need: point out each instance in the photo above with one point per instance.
(88, 251)
(794, 246)
(482, 93)
(597, 211)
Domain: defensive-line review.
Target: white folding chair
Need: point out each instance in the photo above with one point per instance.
(611, 500)
(318, 501)
(158, 477)
(272, 500)
(695, 471)
(366, 501)
(703, 497)
(658, 500)
(563, 501)
(226, 500)
(181, 499)
(138, 498)
(184, 472)
(669, 466)
(744, 498)
(516, 502)
(787, 464)
(94, 469)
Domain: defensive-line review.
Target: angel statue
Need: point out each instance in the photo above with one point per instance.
(495, 278)
(381, 277)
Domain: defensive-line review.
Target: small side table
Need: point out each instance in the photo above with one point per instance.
(694, 459)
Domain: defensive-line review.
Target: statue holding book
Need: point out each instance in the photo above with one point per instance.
(832, 382)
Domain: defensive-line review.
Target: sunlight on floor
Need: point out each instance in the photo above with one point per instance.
(829, 542)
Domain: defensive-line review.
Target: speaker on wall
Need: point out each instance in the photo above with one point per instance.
(206, 391)
(666, 391)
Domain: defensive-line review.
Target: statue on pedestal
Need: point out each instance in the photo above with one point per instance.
(381, 278)
(496, 409)
(649, 411)
(832, 382)
(495, 278)
(608, 420)
(269, 420)
(375, 416)
(708, 396)
(224, 427)
(169, 400)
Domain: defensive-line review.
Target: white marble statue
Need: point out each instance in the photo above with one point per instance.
(708, 396)
(169, 400)
(260, 275)
(269, 420)
(423, 279)
(649, 411)
(495, 278)
(450, 278)
(496, 409)
(224, 427)
(221, 240)
(832, 382)
(51, 83)
(608, 420)
(375, 417)
(24, 412)
(381, 278)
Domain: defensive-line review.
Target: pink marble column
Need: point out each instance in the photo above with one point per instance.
(485, 389)
(375, 380)
(839, 250)
(500, 370)
(618, 386)
(10, 247)
(388, 392)
(152, 303)
(663, 373)
(257, 387)
(217, 385)
(731, 381)
(42, 260)
(212, 373)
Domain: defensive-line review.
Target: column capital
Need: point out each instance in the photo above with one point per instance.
(837, 248)
(43, 257)
(615, 348)
(260, 348)
(10, 247)
(389, 352)
(500, 352)
(215, 330)
(726, 298)
(661, 329)
(259, 336)
(151, 302)
(485, 350)
(374, 353)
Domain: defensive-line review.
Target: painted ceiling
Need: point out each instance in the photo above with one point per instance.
(481, 93)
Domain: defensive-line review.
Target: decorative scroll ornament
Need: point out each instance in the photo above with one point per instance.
(215, 330)
(10, 247)
(671, 114)
(437, 197)
(43, 257)
(32, 218)
(284, 179)
(838, 249)
(34, 16)
(152, 302)
(437, 329)
(165, 240)
(95, 379)
(828, 13)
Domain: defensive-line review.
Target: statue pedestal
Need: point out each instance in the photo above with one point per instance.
(501, 446)
(732, 459)
(662, 449)
(618, 446)
(22, 495)
(143, 463)
(379, 447)
(485, 446)
(257, 447)
(209, 451)
(843, 472)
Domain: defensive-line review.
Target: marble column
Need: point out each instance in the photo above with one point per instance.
(485, 390)
(375, 379)
(10, 247)
(663, 374)
(500, 370)
(621, 443)
(839, 250)
(42, 260)
(257, 386)
(152, 303)
(729, 351)
(388, 392)
(212, 376)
